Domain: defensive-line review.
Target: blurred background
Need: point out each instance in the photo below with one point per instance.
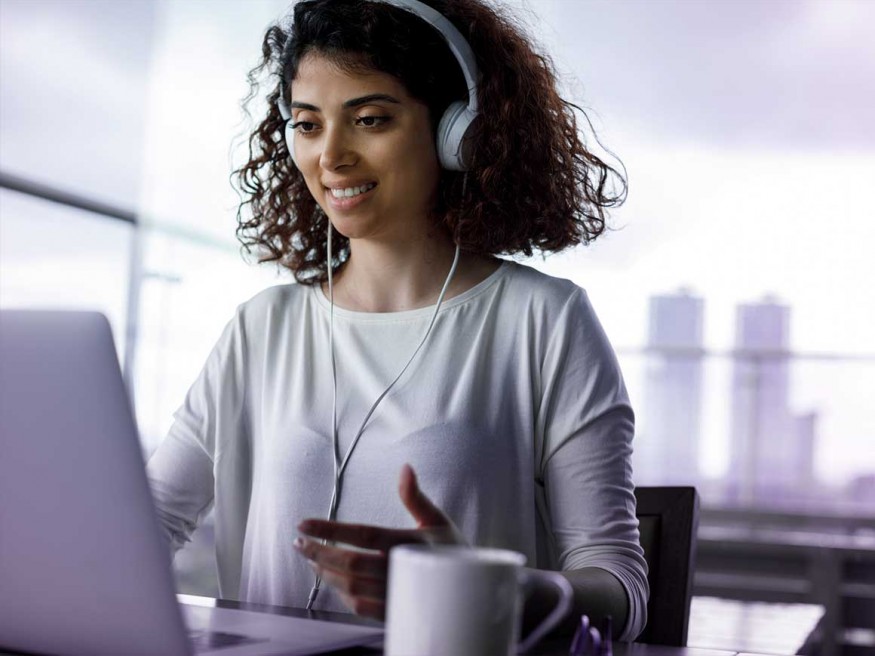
(736, 283)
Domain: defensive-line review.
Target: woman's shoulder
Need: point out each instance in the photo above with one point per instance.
(548, 300)
(551, 291)
(274, 305)
(276, 294)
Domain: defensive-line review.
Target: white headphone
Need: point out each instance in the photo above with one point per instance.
(456, 121)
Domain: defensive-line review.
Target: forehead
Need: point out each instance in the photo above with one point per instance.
(323, 78)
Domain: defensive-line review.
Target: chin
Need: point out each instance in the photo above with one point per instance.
(349, 227)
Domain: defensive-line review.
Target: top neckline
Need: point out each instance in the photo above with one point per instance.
(403, 315)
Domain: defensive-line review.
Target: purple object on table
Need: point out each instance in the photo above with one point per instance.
(589, 641)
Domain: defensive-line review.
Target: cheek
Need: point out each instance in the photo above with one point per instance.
(428, 175)
(420, 166)
(312, 179)
(307, 160)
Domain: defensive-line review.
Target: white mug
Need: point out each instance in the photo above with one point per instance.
(463, 601)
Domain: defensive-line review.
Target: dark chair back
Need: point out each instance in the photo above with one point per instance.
(668, 519)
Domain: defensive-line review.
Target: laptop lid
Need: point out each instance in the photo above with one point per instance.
(83, 568)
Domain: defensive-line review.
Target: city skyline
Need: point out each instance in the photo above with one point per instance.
(771, 445)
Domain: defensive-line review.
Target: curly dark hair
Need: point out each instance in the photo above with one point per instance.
(531, 183)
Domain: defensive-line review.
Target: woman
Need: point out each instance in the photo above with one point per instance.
(406, 345)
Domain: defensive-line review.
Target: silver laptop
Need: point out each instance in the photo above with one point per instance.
(83, 567)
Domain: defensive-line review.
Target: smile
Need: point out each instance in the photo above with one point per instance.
(351, 192)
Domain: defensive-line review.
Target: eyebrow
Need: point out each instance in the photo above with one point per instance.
(352, 102)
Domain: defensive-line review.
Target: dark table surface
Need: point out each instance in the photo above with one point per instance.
(552, 647)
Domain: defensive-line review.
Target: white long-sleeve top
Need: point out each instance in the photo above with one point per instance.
(514, 416)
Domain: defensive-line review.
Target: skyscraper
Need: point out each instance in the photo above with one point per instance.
(764, 452)
(667, 448)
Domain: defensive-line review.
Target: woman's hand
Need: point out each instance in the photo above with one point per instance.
(360, 576)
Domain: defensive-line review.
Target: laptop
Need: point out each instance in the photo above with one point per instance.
(84, 568)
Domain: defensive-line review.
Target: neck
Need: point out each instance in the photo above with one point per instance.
(392, 277)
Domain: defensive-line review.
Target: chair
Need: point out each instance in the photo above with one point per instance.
(668, 519)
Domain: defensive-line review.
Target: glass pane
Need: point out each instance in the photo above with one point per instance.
(745, 190)
(197, 81)
(74, 80)
(52, 256)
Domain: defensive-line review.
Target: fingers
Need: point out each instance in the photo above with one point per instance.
(344, 561)
(354, 587)
(359, 535)
(420, 506)
(359, 577)
(366, 607)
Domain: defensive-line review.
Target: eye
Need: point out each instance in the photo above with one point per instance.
(372, 121)
(304, 127)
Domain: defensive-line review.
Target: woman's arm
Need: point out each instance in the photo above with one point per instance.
(597, 593)
(181, 470)
(181, 478)
(585, 494)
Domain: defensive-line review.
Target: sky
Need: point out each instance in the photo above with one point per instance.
(795, 75)
(744, 127)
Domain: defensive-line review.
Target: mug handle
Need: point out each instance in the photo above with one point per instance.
(560, 610)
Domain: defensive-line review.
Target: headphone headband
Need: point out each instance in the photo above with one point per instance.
(458, 117)
(459, 46)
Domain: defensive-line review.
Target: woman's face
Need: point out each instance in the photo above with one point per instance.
(365, 149)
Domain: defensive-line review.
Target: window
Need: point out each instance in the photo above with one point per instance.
(734, 284)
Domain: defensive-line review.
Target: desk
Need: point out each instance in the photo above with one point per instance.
(795, 564)
(557, 647)
(751, 626)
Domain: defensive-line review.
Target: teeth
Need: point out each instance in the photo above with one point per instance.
(349, 192)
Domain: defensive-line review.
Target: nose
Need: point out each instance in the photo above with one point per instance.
(337, 149)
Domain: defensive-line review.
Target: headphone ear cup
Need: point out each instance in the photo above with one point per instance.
(451, 135)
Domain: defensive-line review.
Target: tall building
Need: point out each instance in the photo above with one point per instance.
(770, 449)
(667, 447)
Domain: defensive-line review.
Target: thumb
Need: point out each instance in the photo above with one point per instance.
(420, 506)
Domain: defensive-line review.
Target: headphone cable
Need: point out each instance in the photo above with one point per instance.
(340, 466)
